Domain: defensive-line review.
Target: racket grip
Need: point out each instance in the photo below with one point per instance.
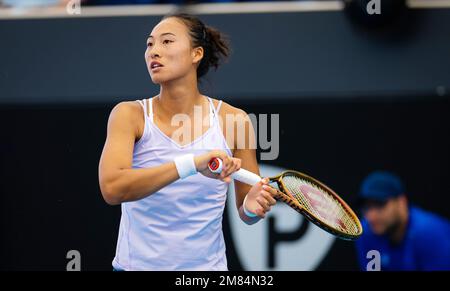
(246, 177)
(242, 175)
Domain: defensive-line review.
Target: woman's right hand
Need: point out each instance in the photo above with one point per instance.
(229, 166)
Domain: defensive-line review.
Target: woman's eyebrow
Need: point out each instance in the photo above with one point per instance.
(165, 33)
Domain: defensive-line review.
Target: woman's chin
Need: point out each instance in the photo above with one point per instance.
(157, 80)
(160, 81)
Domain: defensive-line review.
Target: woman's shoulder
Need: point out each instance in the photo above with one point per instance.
(128, 108)
(129, 114)
(227, 108)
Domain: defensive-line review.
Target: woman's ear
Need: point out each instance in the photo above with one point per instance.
(197, 55)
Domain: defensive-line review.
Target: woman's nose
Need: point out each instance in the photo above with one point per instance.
(154, 51)
(154, 55)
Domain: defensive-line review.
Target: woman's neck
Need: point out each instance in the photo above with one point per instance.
(179, 96)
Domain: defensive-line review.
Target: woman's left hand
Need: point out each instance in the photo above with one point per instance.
(260, 198)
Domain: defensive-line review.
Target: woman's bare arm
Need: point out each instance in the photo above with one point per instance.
(118, 181)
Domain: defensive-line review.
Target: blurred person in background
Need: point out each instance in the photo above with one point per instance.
(407, 237)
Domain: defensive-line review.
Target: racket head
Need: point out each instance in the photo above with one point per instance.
(318, 203)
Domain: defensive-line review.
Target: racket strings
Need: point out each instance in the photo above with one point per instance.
(325, 207)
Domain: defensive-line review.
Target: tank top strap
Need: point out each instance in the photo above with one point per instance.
(142, 103)
(218, 107)
(147, 107)
(214, 113)
(150, 108)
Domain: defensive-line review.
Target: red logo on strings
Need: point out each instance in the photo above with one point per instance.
(320, 204)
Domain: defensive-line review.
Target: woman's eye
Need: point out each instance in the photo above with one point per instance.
(166, 41)
(149, 44)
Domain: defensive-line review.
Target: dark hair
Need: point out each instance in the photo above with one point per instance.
(215, 44)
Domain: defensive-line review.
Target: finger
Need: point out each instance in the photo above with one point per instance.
(226, 166)
(261, 182)
(265, 181)
(224, 174)
(235, 165)
(272, 191)
(260, 212)
(268, 197)
(224, 179)
(258, 186)
(227, 180)
(238, 163)
(227, 170)
(263, 202)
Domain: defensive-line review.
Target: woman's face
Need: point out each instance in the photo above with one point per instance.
(169, 44)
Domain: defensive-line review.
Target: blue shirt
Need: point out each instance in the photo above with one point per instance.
(425, 247)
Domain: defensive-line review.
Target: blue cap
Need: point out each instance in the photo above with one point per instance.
(381, 186)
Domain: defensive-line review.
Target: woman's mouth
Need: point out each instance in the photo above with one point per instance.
(155, 66)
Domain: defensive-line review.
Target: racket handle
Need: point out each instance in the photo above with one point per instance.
(246, 177)
(242, 175)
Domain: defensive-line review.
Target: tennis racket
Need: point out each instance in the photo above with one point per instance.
(313, 199)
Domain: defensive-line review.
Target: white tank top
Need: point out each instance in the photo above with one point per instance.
(180, 226)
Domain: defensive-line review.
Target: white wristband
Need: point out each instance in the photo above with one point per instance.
(248, 213)
(185, 165)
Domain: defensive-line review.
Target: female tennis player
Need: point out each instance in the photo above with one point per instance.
(172, 204)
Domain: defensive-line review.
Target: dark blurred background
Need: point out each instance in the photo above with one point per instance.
(353, 96)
